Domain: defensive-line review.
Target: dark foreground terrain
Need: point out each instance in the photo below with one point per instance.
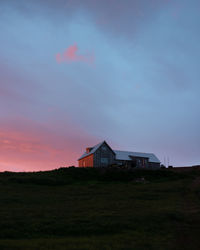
(90, 209)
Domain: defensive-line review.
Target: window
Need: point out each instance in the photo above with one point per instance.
(144, 162)
(104, 160)
(103, 148)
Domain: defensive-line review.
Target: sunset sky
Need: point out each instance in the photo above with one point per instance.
(76, 72)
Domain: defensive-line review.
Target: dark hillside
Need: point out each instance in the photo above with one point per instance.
(63, 176)
(71, 208)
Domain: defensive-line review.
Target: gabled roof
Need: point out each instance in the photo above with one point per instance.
(125, 155)
(122, 155)
(94, 149)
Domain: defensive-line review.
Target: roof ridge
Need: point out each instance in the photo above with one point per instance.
(98, 144)
(94, 148)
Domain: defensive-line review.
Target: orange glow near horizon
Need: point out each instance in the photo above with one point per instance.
(30, 150)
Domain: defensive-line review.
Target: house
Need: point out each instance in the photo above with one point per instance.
(103, 155)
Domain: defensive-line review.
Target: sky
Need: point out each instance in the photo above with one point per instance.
(76, 72)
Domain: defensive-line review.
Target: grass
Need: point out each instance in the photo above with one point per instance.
(99, 209)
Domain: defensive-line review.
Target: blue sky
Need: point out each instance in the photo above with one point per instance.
(140, 93)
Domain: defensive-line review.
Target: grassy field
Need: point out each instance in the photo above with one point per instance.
(91, 209)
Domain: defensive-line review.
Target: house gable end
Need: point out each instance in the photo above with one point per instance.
(104, 155)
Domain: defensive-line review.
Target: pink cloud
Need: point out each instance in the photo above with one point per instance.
(58, 58)
(70, 55)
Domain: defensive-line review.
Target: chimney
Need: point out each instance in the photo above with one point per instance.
(88, 150)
